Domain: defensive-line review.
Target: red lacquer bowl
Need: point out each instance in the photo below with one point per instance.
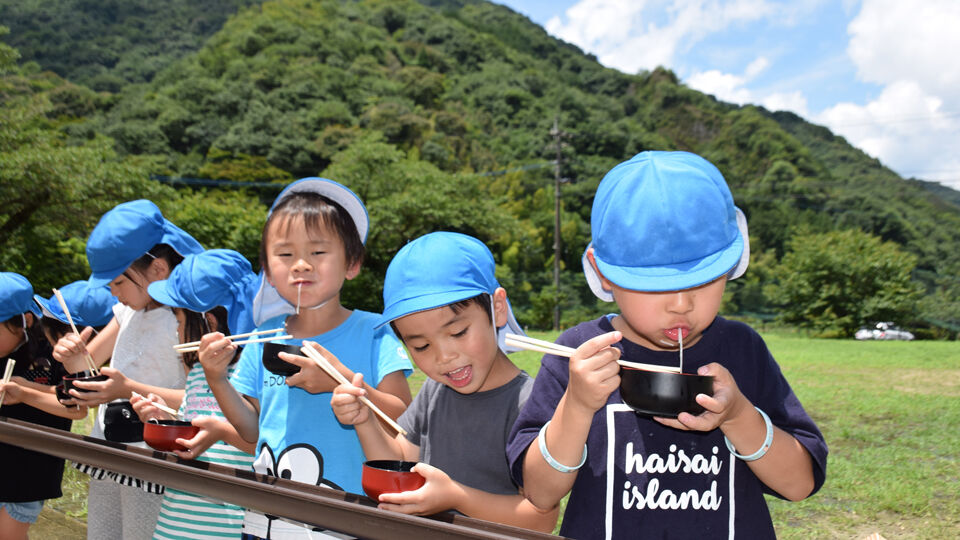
(163, 434)
(389, 476)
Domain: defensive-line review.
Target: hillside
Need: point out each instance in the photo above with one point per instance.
(396, 97)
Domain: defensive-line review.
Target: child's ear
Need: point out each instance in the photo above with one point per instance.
(604, 282)
(500, 306)
(159, 269)
(211, 321)
(353, 270)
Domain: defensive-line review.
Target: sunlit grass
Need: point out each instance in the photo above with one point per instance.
(889, 411)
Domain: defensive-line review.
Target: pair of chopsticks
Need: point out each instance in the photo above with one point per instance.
(194, 346)
(162, 407)
(546, 347)
(91, 365)
(7, 373)
(318, 358)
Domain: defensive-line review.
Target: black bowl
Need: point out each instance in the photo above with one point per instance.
(83, 376)
(273, 363)
(661, 393)
(60, 389)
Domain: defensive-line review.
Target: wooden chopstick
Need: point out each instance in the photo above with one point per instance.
(235, 336)
(318, 358)
(162, 407)
(86, 354)
(258, 340)
(546, 347)
(7, 372)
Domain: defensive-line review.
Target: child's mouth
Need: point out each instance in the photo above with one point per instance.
(674, 334)
(460, 377)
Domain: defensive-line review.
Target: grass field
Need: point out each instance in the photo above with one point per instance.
(890, 412)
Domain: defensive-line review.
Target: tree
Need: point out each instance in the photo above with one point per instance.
(836, 281)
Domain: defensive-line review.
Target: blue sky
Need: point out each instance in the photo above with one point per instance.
(881, 73)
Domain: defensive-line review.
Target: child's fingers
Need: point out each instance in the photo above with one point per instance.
(597, 344)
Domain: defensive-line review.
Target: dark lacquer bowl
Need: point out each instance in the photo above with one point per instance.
(389, 476)
(273, 363)
(661, 393)
(163, 434)
(68, 380)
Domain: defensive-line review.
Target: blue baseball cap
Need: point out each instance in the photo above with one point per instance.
(88, 305)
(439, 269)
(268, 303)
(665, 221)
(126, 233)
(203, 281)
(16, 296)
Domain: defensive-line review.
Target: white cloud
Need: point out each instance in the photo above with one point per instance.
(892, 40)
(733, 88)
(757, 67)
(624, 35)
(905, 128)
(913, 125)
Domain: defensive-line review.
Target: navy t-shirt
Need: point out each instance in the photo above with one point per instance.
(643, 478)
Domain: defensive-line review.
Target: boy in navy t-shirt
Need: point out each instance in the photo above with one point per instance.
(666, 238)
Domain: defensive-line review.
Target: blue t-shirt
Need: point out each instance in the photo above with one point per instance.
(300, 437)
(644, 478)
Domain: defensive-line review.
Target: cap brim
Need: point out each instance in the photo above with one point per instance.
(425, 302)
(159, 291)
(335, 192)
(45, 311)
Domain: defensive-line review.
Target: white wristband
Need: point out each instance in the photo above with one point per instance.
(542, 439)
(766, 442)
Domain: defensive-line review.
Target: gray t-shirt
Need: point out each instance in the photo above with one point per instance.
(465, 435)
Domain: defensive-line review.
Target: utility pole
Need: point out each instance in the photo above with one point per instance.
(557, 134)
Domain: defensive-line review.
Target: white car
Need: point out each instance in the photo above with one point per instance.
(883, 330)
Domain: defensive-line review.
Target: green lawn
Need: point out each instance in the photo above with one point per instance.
(890, 412)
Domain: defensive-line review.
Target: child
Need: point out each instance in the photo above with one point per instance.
(312, 242)
(132, 246)
(30, 477)
(666, 237)
(437, 295)
(89, 306)
(206, 291)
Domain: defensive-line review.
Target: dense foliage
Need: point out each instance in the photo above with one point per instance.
(439, 114)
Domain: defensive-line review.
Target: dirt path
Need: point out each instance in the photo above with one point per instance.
(55, 525)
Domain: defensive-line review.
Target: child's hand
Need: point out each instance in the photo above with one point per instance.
(145, 409)
(312, 377)
(439, 493)
(70, 350)
(727, 403)
(594, 372)
(115, 387)
(346, 405)
(12, 392)
(211, 431)
(215, 353)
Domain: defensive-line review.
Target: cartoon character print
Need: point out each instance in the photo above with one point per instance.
(300, 463)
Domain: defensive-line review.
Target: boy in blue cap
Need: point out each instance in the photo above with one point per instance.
(442, 299)
(666, 238)
(30, 477)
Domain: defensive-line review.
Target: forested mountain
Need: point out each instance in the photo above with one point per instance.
(439, 114)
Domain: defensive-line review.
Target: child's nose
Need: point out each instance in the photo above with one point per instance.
(681, 302)
(300, 265)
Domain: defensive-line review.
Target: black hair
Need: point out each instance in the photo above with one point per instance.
(484, 300)
(159, 251)
(55, 329)
(36, 339)
(317, 212)
(196, 326)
